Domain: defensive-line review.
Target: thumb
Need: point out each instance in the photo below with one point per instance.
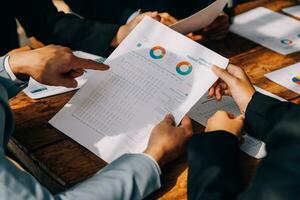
(25, 48)
(186, 124)
(81, 63)
(169, 119)
(241, 117)
(153, 14)
(68, 82)
(223, 74)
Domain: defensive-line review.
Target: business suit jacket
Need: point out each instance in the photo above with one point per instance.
(41, 20)
(118, 11)
(131, 177)
(213, 159)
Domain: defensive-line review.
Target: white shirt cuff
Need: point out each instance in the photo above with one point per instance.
(10, 72)
(154, 161)
(133, 15)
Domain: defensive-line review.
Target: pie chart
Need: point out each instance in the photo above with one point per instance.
(296, 79)
(157, 52)
(287, 41)
(184, 68)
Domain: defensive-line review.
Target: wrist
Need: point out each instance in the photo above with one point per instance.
(157, 155)
(244, 106)
(16, 64)
(17, 67)
(234, 132)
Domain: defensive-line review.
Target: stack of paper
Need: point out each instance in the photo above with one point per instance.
(273, 30)
(205, 108)
(294, 11)
(151, 75)
(288, 77)
(200, 19)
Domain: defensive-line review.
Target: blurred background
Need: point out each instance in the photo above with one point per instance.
(61, 6)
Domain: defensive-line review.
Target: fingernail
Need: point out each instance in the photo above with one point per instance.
(170, 116)
(214, 67)
(106, 66)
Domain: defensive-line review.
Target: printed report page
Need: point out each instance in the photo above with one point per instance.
(155, 71)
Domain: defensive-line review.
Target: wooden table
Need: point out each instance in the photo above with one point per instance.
(58, 162)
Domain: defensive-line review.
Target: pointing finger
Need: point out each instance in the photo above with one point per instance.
(81, 63)
(169, 119)
(186, 124)
(68, 82)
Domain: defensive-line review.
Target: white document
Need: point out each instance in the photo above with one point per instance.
(205, 108)
(36, 90)
(273, 30)
(150, 76)
(288, 77)
(294, 11)
(200, 19)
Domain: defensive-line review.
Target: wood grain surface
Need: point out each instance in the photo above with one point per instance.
(58, 162)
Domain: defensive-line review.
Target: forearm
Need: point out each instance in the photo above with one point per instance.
(49, 26)
(213, 166)
(132, 176)
(89, 36)
(6, 118)
(264, 112)
(279, 173)
(104, 11)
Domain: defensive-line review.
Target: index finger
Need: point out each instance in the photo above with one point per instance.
(169, 17)
(81, 63)
(186, 124)
(169, 119)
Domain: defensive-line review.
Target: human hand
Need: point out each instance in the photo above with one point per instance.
(127, 28)
(223, 121)
(52, 65)
(197, 37)
(167, 19)
(233, 82)
(167, 142)
(218, 29)
(24, 48)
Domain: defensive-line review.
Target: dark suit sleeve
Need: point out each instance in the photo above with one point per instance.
(106, 11)
(263, 112)
(278, 175)
(41, 20)
(214, 171)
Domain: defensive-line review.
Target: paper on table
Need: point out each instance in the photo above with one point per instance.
(273, 30)
(36, 90)
(205, 108)
(200, 19)
(294, 11)
(150, 76)
(288, 77)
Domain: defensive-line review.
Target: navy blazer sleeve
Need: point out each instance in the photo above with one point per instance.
(263, 112)
(277, 177)
(41, 19)
(109, 11)
(214, 171)
(214, 163)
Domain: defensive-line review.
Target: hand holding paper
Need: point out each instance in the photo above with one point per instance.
(150, 76)
(200, 19)
(167, 141)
